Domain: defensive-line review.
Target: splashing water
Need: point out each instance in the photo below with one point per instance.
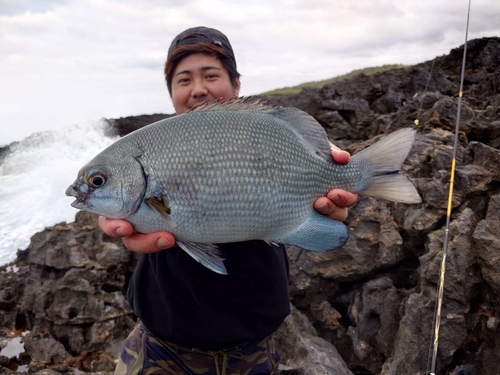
(33, 179)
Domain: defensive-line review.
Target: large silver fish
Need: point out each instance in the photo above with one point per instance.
(236, 171)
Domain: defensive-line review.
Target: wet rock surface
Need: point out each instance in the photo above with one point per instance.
(366, 308)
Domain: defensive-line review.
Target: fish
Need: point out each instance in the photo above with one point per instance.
(237, 170)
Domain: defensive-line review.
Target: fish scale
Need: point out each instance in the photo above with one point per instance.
(237, 171)
(269, 173)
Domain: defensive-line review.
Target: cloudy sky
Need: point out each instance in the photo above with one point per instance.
(65, 62)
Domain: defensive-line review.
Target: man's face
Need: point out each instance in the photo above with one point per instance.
(198, 78)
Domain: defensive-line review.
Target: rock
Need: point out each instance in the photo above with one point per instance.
(374, 242)
(485, 156)
(45, 351)
(411, 342)
(464, 370)
(444, 115)
(326, 314)
(124, 125)
(488, 356)
(414, 333)
(47, 372)
(422, 220)
(72, 297)
(304, 352)
(87, 248)
(375, 317)
(487, 238)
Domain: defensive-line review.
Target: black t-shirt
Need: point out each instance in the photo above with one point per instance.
(183, 302)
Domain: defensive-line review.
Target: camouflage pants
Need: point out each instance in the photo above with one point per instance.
(146, 354)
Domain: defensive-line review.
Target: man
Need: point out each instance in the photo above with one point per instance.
(194, 321)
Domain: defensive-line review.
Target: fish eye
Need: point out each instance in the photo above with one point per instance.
(96, 178)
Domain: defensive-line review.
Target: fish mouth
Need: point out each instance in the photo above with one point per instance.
(81, 198)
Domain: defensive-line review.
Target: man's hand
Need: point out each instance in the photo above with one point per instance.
(336, 202)
(138, 242)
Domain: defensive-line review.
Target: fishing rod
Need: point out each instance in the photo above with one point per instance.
(448, 214)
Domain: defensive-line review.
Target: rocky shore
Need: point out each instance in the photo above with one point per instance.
(364, 309)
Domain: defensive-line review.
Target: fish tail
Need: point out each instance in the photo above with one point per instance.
(385, 159)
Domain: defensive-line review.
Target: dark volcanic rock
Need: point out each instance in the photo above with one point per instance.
(487, 238)
(374, 243)
(366, 308)
(124, 125)
(69, 294)
(304, 352)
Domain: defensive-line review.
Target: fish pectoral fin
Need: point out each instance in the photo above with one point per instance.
(162, 206)
(318, 233)
(208, 255)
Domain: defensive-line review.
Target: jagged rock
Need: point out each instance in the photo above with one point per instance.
(304, 352)
(464, 370)
(74, 306)
(87, 246)
(375, 317)
(422, 220)
(45, 351)
(413, 336)
(124, 125)
(487, 238)
(374, 242)
(488, 356)
(324, 313)
(443, 114)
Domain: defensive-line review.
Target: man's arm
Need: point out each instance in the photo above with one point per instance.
(334, 205)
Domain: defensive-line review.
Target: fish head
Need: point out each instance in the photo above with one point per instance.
(110, 185)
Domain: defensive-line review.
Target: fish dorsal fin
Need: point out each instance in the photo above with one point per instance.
(308, 128)
(299, 121)
(234, 104)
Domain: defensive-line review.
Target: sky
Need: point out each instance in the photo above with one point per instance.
(65, 62)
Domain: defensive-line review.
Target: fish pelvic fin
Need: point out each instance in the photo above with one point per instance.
(385, 159)
(318, 233)
(208, 255)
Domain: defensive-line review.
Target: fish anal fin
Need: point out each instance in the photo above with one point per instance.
(208, 255)
(318, 233)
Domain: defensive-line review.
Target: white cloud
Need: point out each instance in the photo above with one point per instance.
(62, 62)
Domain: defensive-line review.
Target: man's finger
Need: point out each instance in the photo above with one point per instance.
(342, 198)
(149, 243)
(333, 147)
(341, 157)
(328, 208)
(115, 228)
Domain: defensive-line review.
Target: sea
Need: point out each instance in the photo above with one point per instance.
(34, 176)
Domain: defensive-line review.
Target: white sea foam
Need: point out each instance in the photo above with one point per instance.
(33, 179)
